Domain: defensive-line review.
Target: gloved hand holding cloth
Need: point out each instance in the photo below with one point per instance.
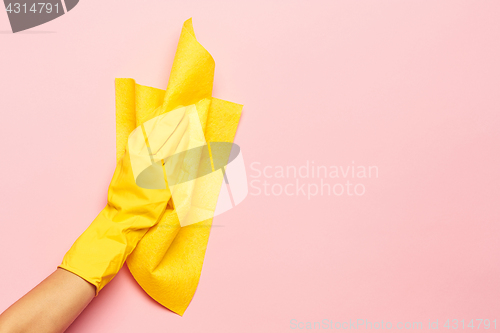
(160, 208)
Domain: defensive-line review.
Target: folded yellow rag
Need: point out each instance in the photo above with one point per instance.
(141, 226)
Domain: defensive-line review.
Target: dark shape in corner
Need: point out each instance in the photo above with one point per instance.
(31, 13)
(70, 4)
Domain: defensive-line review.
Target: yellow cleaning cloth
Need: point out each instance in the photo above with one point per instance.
(165, 258)
(168, 260)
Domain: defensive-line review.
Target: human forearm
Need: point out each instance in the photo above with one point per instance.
(50, 307)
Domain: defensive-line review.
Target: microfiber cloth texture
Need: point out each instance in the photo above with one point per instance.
(168, 260)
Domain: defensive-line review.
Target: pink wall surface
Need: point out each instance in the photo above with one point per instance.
(409, 87)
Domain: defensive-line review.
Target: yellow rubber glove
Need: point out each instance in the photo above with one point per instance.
(100, 252)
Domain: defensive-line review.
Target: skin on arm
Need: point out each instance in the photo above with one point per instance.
(50, 307)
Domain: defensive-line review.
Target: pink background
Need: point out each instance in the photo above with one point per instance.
(409, 86)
